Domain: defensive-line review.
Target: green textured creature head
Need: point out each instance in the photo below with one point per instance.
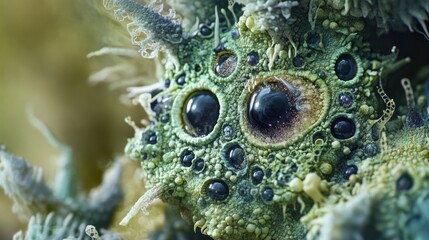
(264, 105)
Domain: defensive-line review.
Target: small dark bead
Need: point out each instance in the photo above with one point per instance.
(257, 176)
(225, 64)
(350, 170)
(181, 80)
(294, 167)
(270, 109)
(298, 61)
(219, 48)
(370, 149)
(197, 67)
(253, 58)
(217, 190)
(404, 182)
(345, 67)
(187, 158)
(346, 100)
(228, 131)
(235, 156)
(199, 164)
(152, 139)
(235, 34)
(343, 128)
(269, 172)
(205, 31)
(271, 158)
(267, 194)
(321, 74)
(167, 83)
(165, 118)
(144, 156)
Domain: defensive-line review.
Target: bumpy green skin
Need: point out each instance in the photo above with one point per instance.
(306, 161)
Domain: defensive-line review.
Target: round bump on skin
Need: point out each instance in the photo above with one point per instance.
(345, 67)
(201, 113)
(217, 190)
(343, 128)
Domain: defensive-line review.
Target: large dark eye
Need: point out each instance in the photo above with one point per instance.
(201, 113)
(279, 108)
(345, 67)
(270, 108)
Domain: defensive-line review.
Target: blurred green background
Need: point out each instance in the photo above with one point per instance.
(43, 48)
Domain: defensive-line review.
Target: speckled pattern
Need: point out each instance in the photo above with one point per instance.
(318, 141)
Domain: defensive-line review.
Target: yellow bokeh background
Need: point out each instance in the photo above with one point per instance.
(43, 64)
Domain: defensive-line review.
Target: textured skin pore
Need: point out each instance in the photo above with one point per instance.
(298, 46)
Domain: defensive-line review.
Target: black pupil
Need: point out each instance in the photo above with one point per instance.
(346, 67)
(343, 128)
(201, 113)
(217, 190)
(236, 157)
(270, 109)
